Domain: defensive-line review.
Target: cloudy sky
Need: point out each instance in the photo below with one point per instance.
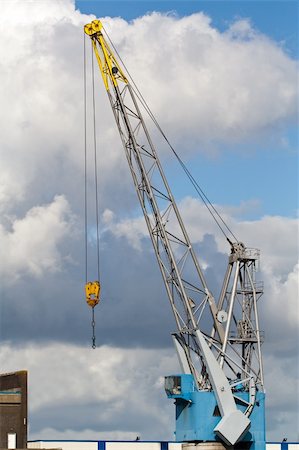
(221, 78)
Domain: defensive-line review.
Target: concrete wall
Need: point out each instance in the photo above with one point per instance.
(105, 445)
(113, 445)
(283, 446)
(65, 445)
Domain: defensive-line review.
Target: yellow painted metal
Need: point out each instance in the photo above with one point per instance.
(93, 27)
(92, 291)
(109, 67)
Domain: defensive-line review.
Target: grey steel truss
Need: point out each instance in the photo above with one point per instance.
(226, 331)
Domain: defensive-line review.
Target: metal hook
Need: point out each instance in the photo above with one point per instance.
(93, 330)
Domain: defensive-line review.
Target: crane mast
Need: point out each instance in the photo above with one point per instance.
(218, 344)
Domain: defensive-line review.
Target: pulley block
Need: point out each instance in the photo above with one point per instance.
(92, 291)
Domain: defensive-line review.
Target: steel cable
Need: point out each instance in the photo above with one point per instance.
(95, 170)
(86, 182)
(85, 161)
(211, 208)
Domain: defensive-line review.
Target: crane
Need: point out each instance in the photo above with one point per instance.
(219, 395)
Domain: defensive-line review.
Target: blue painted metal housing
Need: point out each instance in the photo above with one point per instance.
(197, 413)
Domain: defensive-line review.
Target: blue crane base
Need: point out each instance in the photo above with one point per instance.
(197, 414)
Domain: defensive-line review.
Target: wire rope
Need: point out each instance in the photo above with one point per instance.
(85, 160)
(95, 169)
(211, 208)
(96, 196)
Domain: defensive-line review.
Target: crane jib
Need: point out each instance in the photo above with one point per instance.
(218, 343)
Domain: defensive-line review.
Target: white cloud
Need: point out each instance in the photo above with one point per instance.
(114, 380)
(205, 85)
(134, 230)
(33, 12)
(31, 244)
(122, 388)
(84, 435)
(241, 29)
(244, 82)
(282, 400)
(282, 297)
(275, 236)
(108, 216)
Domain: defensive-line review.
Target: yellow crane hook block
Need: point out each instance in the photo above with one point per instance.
(92, 291)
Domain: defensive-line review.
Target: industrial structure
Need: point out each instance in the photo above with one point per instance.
(13, 410)
(219, 395)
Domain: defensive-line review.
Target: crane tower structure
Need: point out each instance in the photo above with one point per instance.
(219, 395)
